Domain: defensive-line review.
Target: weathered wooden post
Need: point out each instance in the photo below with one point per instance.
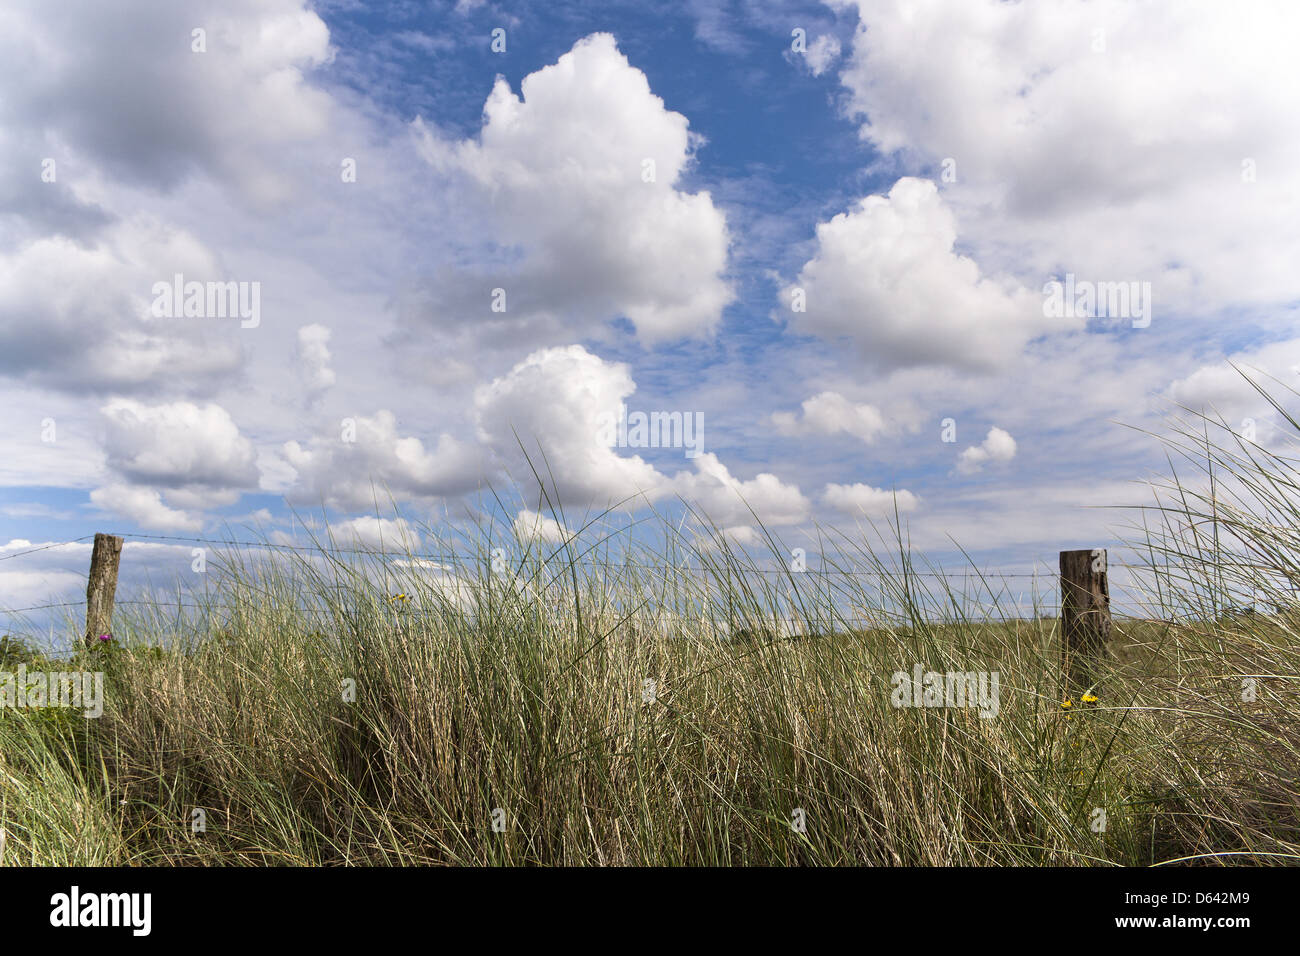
(1085, 616)
(102, 586)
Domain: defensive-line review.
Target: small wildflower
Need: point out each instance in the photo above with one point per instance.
(400, 597)
(1088, 699)
(1067, 704)
(106, 637)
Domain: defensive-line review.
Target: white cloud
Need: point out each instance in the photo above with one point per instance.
(145, 507)
(172, 462)
(530, 525)
(829, 413)
(998, 446)
(43, 571)
(822, 52)
(1105, 138)
(886, 278)
(727, 500)
(860, 499)
(177, 444)
(1224, 393)
(736, 536)
(557, 402)
(34, 588)
(411, 574)
(1219, 387)
(552, 403)
(1110, 164)
(33, 509)
(354, 473)
(561, 170)
(314, 359)
(120, 86)
(76, 315)
(171, 161)
(369, 533)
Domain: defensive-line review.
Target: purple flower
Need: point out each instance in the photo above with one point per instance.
(106, 637)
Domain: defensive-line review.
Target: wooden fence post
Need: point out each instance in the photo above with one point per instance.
(102, 586)
(1085, 616)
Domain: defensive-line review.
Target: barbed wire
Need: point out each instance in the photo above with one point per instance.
(409, 605)
(47, 547)
(446, 560)
(717, 614)
(41, 607)
(482, 556)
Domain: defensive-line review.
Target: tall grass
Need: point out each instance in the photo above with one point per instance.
(499, 710)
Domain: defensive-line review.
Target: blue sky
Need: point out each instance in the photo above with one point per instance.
(800, 150)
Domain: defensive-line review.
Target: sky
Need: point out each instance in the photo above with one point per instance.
(834, 237)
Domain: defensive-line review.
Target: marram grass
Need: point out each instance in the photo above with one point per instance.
(606, 712)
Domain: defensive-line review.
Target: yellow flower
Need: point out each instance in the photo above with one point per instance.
(1088, 699)
(400, 597)
(1067, 704)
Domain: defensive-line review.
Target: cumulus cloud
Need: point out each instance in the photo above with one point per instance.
(128, 157)
(313, 355)
(558, 402)
(860, 499)
(1218, 386)
(736, 536)
(555, 403)
(530, 526)
(413, 574)
(728, 500)
(368, 458)
(34, 588)
(579, 172)
(885, 277)
(145, 507)
(77, 316)
(998, 446)
(1120, 141)
(121, 86)
(172, 461)
(177, 444)
(821, 53)
(370, 533)
(1227, 391)
(830, 413)
(45, 575)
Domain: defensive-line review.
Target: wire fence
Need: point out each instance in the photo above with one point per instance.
(479, 556)
(449, 561)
